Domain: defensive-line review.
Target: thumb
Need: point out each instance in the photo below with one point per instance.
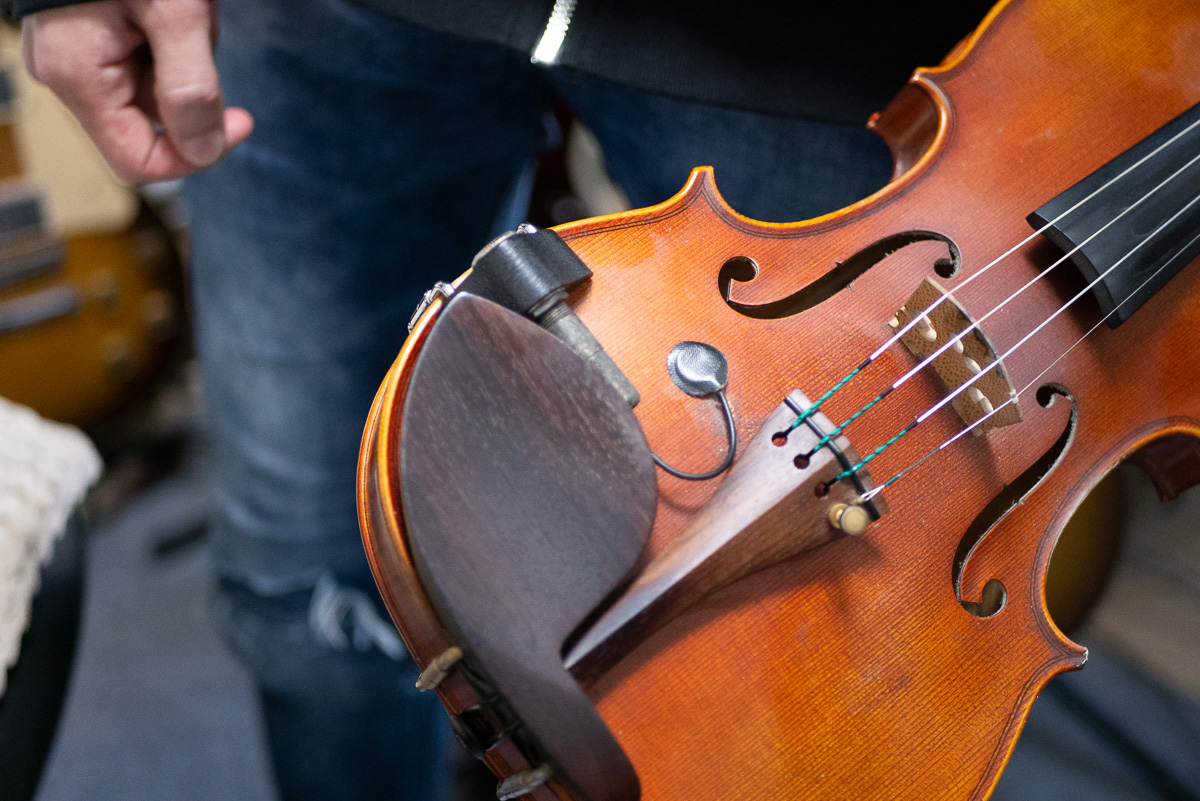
(186, 88)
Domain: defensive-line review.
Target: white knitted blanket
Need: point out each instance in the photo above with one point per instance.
(45, 468)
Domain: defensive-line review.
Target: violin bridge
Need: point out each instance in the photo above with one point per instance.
(961, 362)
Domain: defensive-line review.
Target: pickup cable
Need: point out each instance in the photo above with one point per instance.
(701, 371)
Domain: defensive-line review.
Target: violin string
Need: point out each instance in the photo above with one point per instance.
(984, 371)
(976, 323)
(931, 410)
(866, 496)
(967, 384)
(896, 336)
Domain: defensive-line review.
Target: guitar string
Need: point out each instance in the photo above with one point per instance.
(866, 496)
(895, 337)
(976, 323)
(967, 384)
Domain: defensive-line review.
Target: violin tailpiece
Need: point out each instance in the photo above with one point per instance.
(779, 499)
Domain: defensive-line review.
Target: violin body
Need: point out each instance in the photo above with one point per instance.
(872, 666)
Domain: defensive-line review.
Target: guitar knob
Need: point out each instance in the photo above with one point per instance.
(150, 250)
(106, 290)
(158, 314)
(118, 356)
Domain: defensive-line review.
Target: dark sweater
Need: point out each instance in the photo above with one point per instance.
(835, 61)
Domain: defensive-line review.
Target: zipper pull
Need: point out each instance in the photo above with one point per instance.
(550, 45)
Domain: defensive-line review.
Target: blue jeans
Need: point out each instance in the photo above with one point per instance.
(381, 157)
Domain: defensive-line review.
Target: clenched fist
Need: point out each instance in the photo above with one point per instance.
(140, 77)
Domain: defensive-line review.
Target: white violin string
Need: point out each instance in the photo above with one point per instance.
(878, 489)
(976, 323)
(895, 337)
(966, 384)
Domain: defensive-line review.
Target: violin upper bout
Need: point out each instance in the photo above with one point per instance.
(910, 125)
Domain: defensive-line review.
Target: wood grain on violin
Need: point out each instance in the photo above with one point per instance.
(900, 663)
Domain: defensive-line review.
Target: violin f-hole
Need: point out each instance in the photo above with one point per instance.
(994, 593)
(743, 269)
(992, 600)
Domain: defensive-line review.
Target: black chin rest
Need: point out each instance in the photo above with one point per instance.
(529, 493)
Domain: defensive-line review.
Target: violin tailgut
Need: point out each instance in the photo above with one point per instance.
(780, 498)
(962, 361)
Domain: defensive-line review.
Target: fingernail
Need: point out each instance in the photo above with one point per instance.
(204, 149)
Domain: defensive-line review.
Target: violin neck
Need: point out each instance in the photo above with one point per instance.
(1133, 224)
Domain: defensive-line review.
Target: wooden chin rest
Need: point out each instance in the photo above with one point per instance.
(529, 493)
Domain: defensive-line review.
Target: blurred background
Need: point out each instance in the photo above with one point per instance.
(93, 332)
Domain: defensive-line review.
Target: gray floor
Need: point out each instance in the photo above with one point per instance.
(158, 711)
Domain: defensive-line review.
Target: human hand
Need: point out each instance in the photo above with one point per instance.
(140, 77)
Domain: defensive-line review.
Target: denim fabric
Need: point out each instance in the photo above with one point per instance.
(777, 169)
(344, 720)
(381, 156)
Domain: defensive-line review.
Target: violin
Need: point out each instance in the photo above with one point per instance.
(675, 504)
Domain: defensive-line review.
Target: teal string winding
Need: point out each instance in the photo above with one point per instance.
(864, 462)
(809, 411)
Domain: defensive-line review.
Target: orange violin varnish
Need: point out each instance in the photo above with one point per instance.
(854, 671)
